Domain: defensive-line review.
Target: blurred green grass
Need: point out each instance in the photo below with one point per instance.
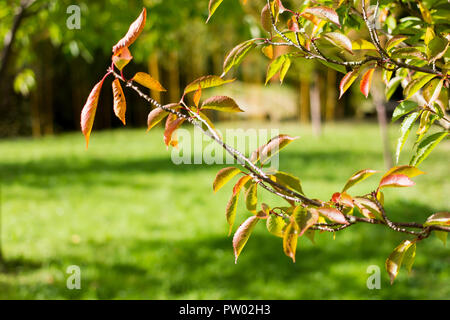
(141, 227)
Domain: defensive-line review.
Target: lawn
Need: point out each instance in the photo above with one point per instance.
(141, 227)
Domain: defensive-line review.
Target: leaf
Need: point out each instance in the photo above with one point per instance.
(197, 96)
(362, 44)
(409, 257)
(416, 84)
(405, 129)
(133, 32)
(287, 180)
(438, 219)
(284, 68)
(442, 235)
(394, 41)
(89, 110)
(223, 176)
(394, 261)
(221, 103)
(333, 215)
(431, 92)
(121, 58)
(148, 81)
(156, 115)
(366, 82)
(232, 203)
(172, 124)
(408, 171)
(324, 13)
(274, 67)
(290, 239)
(275, 225)
(266, 19)
(120, 105)
(305, 218)
(268, 51)
(242, 235)
(274, 146)
(339, 40)
(206, 82)
(347, 81)
(407, 53)
(213, 5)
(368, 208)
(251, 197)
(357, 178)
(392, 86)
(396, 180)
(426, 146)
(403, 108)
(237, 54)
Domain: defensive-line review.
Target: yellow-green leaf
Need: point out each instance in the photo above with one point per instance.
(221, 103)
(242, 235)
(206, 82)
(148, 81)
(223, 176)
(395, 260)
(357, 178)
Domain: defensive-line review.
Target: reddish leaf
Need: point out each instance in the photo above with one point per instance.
(366, 82)
(197, 95)
(88, 112)
(121, 58)
(120, 105)
(347, 81)
(266, 20)
(157, 114)
(325, 13)
(340, 40)
(221, 103)
(133, 32)
(408, 171)
(293, 25)
(396, 180)
(172, 124)
(333, 215)
(275, 145)
(148, 81)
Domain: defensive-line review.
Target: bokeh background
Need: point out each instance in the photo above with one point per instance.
(141, 227)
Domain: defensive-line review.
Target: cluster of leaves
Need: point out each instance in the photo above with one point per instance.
(412, 51)
(302, 216)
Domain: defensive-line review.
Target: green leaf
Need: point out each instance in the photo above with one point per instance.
(395, 260)
(251, 197)
(242, 235)
(409, 257)
(394, 41)
(221, 103)
(275, 225)
(213, 5)
(305, 218)
(230, 212)
(206, 82)
(290, 238)
(333, 66)
(408, 53)
(362, 44)
(403, 108)
(357, 178)
(442, 235)
(276, 65)
(405, 129)
(368, 208)
(287, 180)
(339, 40)
(237, 54)
(284, 68)
(426, 146)
(223, 176)
(416, 84)
(432, 90)
(438, 219)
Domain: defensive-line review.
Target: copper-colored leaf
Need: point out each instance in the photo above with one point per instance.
(440, 219)
(333, 215)
(274, 146)
(88, 112)
(339, 40)
(172, 124)
(232, 203)
(197, 95)
(133, 32)
(221, 103)
(324, 13)
(290, 239)
(120, 104)
(366, 82)
(121, 58)
(157, 114)
(266, 20)
(396, 180)
(206, 82)
(408, 171)
(347, 81)
(148, 81)
(242, 235)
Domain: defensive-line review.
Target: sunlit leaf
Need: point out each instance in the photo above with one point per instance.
(396, 180)
(287, 180)
(172, 124)
(347, 81)
(213, 5)
(333, 215)
(223, 176)
(392, 86)
(357, 178)
(89, 110)
(232, 203)
(133, 32)
(242, 235)
(394, 41)
(156, 115)
(432, 90)
(405, 129)
(366, 82)
(407, 53)
(274, 146)
(121, 58)
(237, 54)
(290, 238)
(148, 81)
(340, 40)
(305, 218)
(324, 13)
(406, 170)
(206, 82)
(120, 105)
(197, 96)
(275, 225)
(403, 108)
(362, 44)
(251, 197)
(426, 146)
(416, 84)
(395, 260)
(221, 103)
(438, 219)
(368, 208)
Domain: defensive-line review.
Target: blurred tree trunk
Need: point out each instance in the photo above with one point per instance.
(315, 105)
(153, 69)
(174, 78)
(47, 72)
(330, 104)
(379, 100)
(35, 113)
(304, 99)
(2, 259)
